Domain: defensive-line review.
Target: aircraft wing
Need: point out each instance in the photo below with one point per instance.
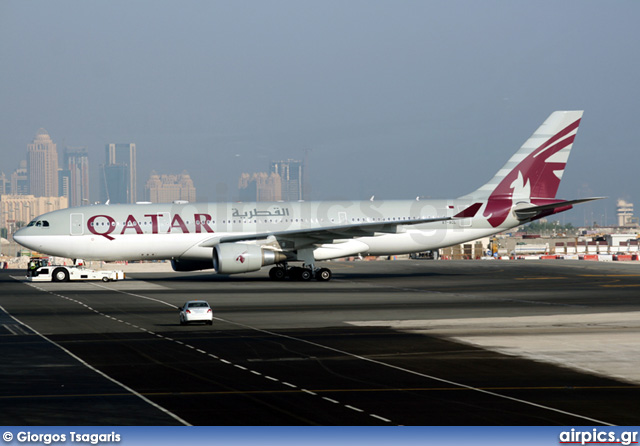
(535, 212)
(326, 234)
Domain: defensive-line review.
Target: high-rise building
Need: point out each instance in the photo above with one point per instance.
(20, 180)
(291, 174)
(260, 186)
(115, 184)
(118, 183)
(74, 176)
(5, 184)
(42, 167)
(169, 188)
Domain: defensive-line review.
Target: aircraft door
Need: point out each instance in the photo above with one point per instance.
(77, 227)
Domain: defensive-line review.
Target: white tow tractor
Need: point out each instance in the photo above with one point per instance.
(39, 270)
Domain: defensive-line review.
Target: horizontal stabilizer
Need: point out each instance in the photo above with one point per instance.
(534, 212)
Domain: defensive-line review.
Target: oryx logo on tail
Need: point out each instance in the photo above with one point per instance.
(533, 174)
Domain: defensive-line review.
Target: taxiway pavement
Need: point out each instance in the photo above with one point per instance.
(383, 343)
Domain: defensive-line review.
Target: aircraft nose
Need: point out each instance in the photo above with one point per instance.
(20, 236)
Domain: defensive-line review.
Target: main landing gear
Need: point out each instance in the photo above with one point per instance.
(282, 272)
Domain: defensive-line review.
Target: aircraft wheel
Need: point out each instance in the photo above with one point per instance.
(277, 273)
(60, 275)
(306, 274)
(295, 273)
(323, 275)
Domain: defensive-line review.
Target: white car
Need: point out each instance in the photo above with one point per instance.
(196, 311)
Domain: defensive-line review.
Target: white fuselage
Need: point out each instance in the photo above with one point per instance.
(170, 231)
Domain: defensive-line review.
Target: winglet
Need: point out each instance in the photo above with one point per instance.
(469, 212)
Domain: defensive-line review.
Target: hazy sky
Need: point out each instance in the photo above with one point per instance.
(393, 98)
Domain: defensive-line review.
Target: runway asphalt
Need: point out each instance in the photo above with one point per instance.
(384, 343)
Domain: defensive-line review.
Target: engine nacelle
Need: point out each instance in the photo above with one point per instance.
(233, 258)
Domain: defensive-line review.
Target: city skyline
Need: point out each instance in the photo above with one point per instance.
(82, 182)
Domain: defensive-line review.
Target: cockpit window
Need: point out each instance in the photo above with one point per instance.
(39, 223)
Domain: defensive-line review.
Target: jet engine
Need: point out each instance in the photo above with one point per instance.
(232, 258)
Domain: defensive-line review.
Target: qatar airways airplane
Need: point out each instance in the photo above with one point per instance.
(242, 237)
